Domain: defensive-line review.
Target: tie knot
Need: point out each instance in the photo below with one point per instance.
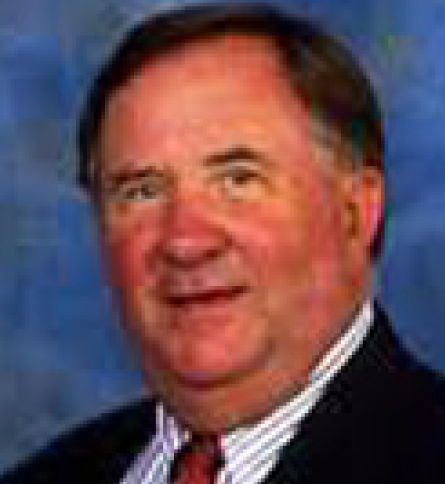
(207, 444)
(198, 461)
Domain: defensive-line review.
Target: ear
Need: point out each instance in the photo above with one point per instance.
(363, 192)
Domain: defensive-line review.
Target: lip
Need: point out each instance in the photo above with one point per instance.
(208, 297)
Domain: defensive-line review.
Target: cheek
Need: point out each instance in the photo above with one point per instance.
(131, 252)
(269, 238)
(293, 249)
(320, 220)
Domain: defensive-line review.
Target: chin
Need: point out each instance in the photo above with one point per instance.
(216, 397)
(204, 410)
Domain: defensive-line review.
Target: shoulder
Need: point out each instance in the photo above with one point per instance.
(381, 419)
(410, 383)
(418, 415)
(409, 427)
(99, 450)
(396, 407)
(394, 384)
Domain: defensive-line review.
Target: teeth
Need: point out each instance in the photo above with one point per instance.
(201, 293)
(196, 283)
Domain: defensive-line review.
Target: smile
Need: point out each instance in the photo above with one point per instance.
(206, 297)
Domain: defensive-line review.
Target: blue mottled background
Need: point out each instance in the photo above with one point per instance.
(61, 355)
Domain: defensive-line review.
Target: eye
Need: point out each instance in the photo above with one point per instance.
(145, 189)
(241, 181)
(241, 176)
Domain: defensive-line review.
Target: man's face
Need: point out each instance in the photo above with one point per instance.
(227, 229)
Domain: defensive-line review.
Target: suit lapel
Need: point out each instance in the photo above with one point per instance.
(353, 400)
(119, 440)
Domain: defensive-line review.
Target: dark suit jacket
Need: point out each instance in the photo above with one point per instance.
(381, 421)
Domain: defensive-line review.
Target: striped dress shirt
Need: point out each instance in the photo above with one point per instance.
(250, 453)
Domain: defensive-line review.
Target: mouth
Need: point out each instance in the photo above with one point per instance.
(210, 297)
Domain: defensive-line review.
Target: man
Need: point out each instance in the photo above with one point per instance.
(234, 159)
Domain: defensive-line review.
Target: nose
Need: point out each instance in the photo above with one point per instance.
(193, 236)
(189, 251)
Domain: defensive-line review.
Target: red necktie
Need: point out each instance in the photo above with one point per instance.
(198, 461)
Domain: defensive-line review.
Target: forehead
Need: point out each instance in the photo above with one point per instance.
(229, 86)
(203, 67)
(219, 54)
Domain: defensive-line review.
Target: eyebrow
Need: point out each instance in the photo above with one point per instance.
(120, 177)
(237, 153)
(232, 155)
